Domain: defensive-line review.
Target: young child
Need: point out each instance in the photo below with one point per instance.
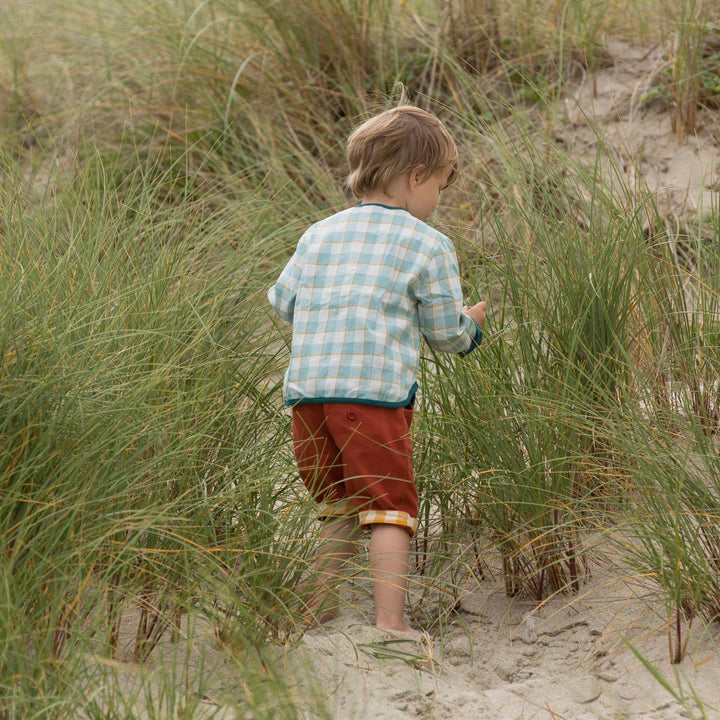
(360, 290)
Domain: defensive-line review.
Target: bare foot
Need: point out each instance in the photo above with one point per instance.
(409, 634)
(395, 627)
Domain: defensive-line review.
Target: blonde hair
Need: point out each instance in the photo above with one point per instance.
(396, 141)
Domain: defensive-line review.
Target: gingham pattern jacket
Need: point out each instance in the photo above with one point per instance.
(360, 289)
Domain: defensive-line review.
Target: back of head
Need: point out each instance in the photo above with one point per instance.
(396, 141)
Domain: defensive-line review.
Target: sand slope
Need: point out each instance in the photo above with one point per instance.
(504, 658)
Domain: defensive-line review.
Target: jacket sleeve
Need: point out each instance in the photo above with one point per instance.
(439, 305)
(283, 293)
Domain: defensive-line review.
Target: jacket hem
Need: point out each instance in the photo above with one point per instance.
(409, 400)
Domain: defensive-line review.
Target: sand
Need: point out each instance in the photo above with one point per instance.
(637, 133)
(573, 657)
(496, 658)
(506, 659)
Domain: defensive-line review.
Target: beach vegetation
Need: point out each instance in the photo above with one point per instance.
(158, 161)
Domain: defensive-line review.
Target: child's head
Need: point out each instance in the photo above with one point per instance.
(399, 140)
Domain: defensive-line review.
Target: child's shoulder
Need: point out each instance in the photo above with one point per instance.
(376, 213)
(382, 220)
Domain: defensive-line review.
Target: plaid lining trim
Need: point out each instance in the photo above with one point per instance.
(337, 509)
(360, 289)
(369, 517)
(388, 517)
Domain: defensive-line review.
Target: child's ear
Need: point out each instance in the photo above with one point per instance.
(416, 176)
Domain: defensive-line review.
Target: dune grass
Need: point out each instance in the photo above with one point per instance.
(159, 162)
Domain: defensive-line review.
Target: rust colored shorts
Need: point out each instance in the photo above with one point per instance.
(357, 459)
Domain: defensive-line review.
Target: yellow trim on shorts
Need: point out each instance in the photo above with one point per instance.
(339, 508)
(388, 517)
(343, 508)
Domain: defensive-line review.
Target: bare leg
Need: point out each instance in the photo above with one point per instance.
(338, 543)
(389, 565)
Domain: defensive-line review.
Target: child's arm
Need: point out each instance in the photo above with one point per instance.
(283, 301)
(283, 293)
(447, 324)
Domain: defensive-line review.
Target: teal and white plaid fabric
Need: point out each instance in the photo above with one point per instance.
(361, 288)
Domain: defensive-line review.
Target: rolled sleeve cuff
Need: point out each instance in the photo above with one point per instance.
(477, 339)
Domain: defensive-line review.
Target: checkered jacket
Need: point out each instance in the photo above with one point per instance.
(360, 290)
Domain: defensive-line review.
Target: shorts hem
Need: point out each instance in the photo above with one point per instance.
(388, 517)
(339, 508)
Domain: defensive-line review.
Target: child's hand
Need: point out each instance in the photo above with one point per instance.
(477, 312)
